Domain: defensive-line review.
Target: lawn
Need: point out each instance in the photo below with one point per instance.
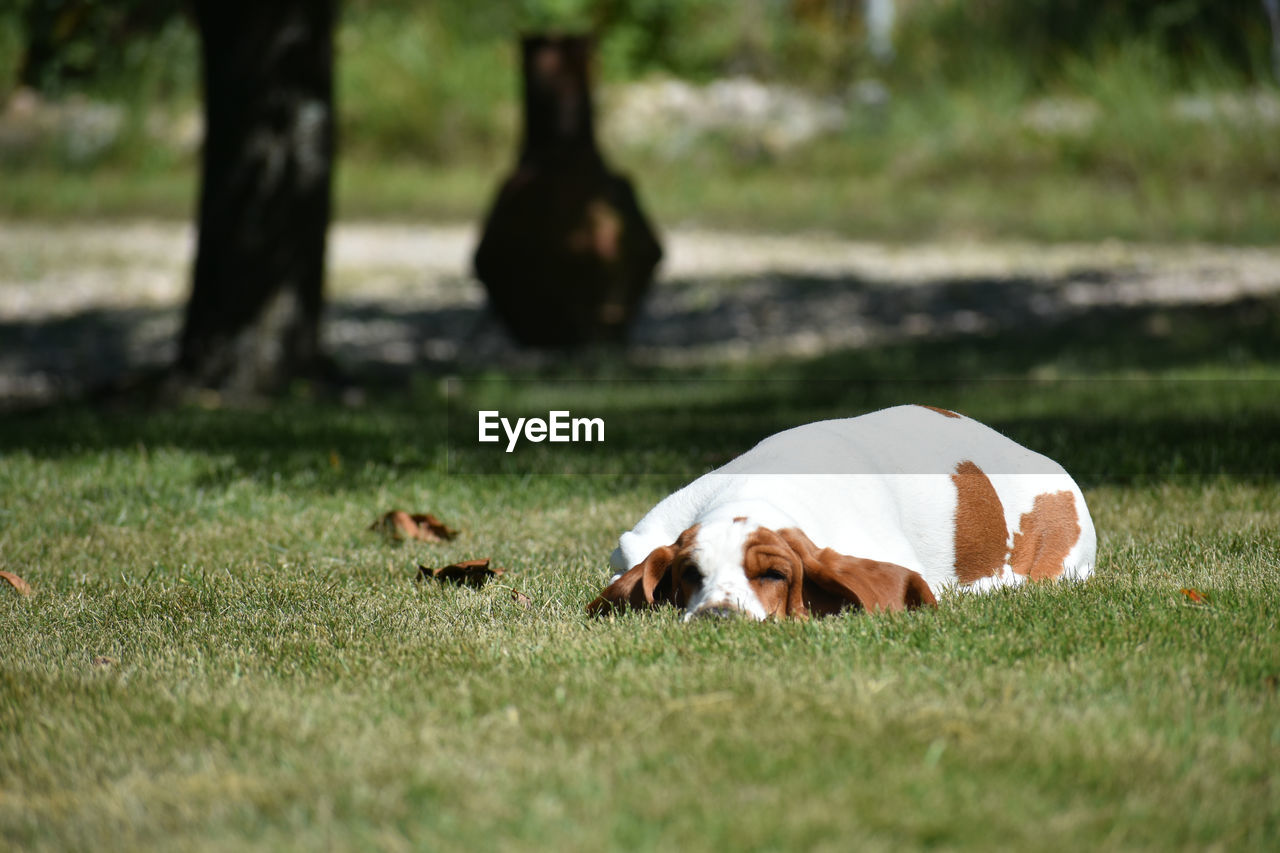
(218, 652)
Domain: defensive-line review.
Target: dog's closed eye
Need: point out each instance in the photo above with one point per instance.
(771, 575)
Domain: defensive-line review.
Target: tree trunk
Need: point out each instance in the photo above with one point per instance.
(253, 319)
(567, 253)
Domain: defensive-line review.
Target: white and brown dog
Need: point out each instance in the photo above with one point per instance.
(881, 511)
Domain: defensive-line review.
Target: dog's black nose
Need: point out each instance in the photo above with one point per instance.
(720, 612)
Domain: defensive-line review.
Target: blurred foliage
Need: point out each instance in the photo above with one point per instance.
(69, 45)
(54, 45)
(455, 65)
(411, 83)
(1055, 118)
(944, 37)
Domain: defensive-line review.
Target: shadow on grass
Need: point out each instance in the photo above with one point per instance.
(1199, 394)
(61, 356)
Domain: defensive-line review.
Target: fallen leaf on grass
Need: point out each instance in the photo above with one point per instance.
(423, 527)
(520, 598)
(1196, 596)
(16, 582)
(104, 661)
(469, 572)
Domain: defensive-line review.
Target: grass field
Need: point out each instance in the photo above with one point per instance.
(218, 653)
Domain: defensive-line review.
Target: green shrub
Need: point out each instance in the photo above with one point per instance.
(949, 39)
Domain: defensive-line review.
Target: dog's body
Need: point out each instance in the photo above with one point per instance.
(910, 500)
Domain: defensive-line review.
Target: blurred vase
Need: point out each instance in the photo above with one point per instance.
(567, 254)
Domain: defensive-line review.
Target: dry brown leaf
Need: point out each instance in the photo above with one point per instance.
(104, 661)
(16, 582)
(423, 527)
(473, 573)
(1196, 596)
(520, 598)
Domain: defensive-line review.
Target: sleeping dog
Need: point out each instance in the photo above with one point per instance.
(878, 512)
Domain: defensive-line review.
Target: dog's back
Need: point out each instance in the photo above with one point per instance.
(924, 488)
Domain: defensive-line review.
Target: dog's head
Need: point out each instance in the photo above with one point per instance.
(727, 568)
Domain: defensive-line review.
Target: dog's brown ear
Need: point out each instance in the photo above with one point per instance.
(647, 584)
(834, 582)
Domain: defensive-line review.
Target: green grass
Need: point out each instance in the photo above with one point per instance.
(219, 654)
(941, 197)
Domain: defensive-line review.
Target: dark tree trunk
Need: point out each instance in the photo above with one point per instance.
(39, 22)
(254, 316)
(567, 254)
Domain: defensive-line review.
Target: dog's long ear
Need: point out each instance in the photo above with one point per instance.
(647, 584)
(834, 582)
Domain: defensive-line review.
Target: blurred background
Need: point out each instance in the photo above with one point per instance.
(914, 124)
(1054, 119)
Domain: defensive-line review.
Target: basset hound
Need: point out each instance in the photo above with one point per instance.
(878, 512)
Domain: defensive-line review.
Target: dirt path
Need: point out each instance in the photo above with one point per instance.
(83, 303)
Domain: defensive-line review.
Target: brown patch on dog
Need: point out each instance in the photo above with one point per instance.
(773, 569)
(946, 413)
(828, 582)
(981, 538)
(653, 582)
(739, 518)
(1045, 536)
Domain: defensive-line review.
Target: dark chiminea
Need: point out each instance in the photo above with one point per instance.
(567, 254)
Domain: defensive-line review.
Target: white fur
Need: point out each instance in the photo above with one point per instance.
(877, 486)
(718, 554)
